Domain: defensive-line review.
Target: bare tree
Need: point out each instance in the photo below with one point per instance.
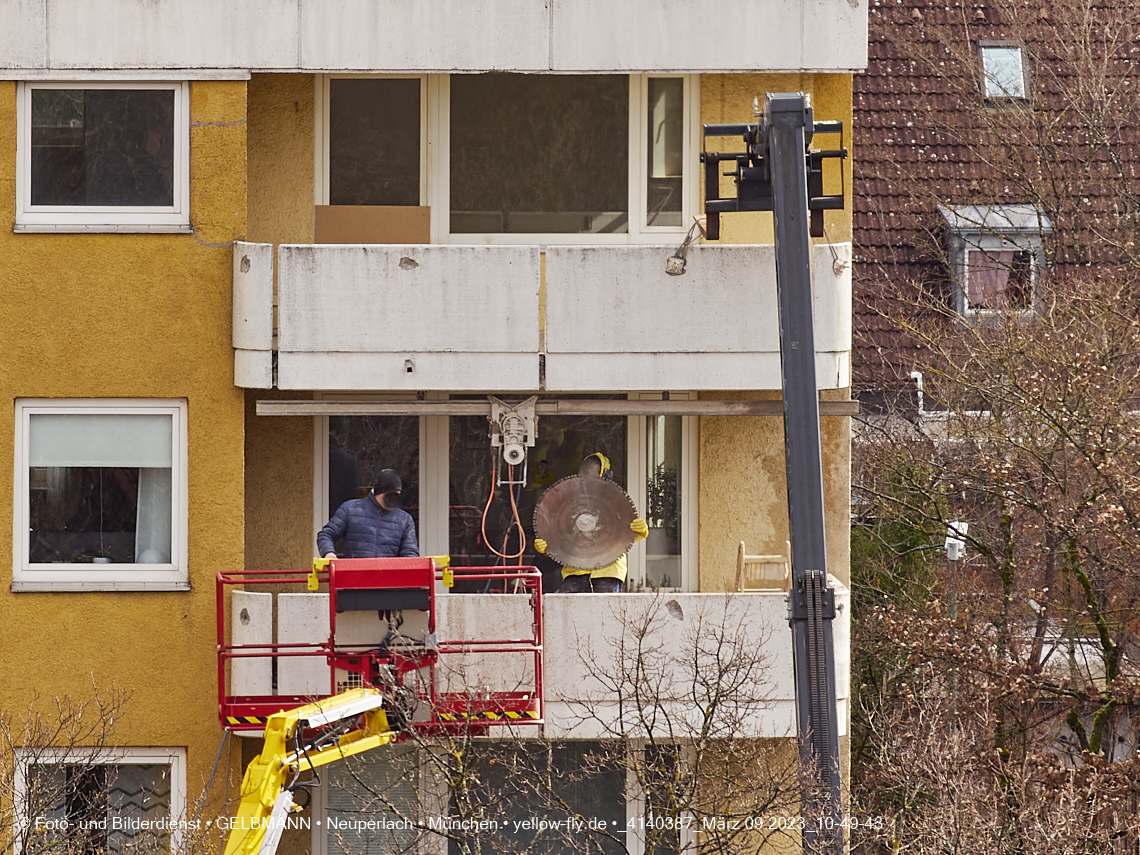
(65, 789)
(670, 724)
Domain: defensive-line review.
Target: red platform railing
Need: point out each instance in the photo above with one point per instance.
(406, 668)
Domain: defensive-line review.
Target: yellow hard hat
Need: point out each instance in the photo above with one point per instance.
(607, 469)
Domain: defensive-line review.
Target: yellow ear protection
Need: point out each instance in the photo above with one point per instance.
(607, 469)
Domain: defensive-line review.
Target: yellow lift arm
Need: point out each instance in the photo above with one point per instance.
(267, 797)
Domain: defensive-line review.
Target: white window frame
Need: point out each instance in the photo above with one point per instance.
(96, 218)
(435, 161)
(175, 758)
(93, 577)
(991, 88)
(435, 481)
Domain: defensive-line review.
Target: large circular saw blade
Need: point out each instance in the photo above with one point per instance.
(585, 522)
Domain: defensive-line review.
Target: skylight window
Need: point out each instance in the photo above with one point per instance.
(1003, 70)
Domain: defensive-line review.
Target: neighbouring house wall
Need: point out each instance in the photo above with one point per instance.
(132, 316)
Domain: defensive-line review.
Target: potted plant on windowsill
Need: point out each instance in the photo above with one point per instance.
(663, 512)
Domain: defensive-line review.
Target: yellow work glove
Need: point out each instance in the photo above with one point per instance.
(640, 527)
(540, 546)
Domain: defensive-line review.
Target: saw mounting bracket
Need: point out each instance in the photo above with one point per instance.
(514, 428)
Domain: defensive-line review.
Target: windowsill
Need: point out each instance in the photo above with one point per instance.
(74, 586)
(100, 228)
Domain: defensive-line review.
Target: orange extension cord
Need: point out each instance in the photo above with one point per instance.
(515, 523)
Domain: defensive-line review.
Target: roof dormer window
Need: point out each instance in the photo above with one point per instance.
(996, 256)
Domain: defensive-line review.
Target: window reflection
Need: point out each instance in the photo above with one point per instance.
(663, 501)
(539, 153)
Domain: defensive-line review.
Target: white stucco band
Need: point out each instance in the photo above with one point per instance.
(435, 35)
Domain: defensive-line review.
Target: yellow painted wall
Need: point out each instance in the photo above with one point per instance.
(281, 158)
(727, 99)
(279, 451)
(132, 316)
(743, 489)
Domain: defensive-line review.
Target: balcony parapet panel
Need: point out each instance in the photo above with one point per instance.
(556, 318)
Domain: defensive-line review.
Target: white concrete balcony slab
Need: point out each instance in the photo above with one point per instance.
(557, 318)
(621, 664)
(434, 35)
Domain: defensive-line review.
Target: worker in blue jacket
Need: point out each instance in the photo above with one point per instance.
(372, 527)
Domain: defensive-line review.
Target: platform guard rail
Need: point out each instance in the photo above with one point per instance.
(408, 669)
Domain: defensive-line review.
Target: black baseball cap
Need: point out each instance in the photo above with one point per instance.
(387, 482)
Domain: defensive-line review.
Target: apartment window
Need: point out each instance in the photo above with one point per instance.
(112, 157)
(997, 257)
(1003, 70)
(100, 495)
(397, 799)
(445, 463)
(500, 157)
(539, 154)
(124, 800)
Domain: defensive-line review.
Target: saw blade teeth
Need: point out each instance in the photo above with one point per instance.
(585, 522)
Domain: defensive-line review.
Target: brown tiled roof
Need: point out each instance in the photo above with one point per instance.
(923, 136)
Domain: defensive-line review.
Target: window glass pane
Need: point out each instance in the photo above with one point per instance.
(1005, 77)
(104, 806)
(100, 488)
(561, 445)
(517, 783)
(103, 147)
(360, 446)
(663, 501)
(663, 772)
(666, 150)
(98, 439)
(99, 515)
(374, 141)
(539, 153)
(1000, 280)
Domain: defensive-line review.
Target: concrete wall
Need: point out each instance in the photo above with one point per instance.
(435, 35)
(133, 316)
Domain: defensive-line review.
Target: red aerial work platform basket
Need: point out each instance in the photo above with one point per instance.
(379, 629)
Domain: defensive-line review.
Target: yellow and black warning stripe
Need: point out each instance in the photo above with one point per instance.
(489, 715)
(246, 720)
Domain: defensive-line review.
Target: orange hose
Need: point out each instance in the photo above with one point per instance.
(516, 521)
